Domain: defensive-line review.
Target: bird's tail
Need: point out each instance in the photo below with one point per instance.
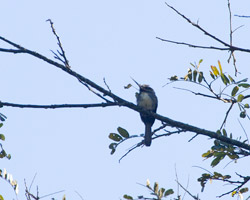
(148, 135)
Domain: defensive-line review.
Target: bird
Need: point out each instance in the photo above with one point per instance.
(147, 99)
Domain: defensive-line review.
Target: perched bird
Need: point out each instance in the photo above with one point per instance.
(147, 99)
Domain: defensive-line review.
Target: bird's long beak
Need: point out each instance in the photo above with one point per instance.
(136, 82)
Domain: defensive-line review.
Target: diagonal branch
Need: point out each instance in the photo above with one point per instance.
(227, 113)
(122, 102)
(230, 47)
(198, 27)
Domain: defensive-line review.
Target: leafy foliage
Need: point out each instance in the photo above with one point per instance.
(221, 149)
(237, 88)
(239, 189)
(209, 177)
(118, 138)
(3, 153)
(8, 177)
(158, 193)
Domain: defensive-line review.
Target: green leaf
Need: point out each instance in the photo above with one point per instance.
(226, 177)
(128, 86)
(224, 132)
(8, 156)
(192, 65)
(218, 132)
(243, 114)
(243, 80)
(194, 75)
(1, 197)
(123, 132)
(1, 124)
(215, 70)
(200, 77)
(156, 188)
(224, 79)
(208, 154)
(161, 192)
(243, 190)
(189, 74)
(234, 91)
(220, 67)
(173, 78)
(125, 196)
(115, 137)
(212, 75)
(217, 175)
(244, 85)
(216, 142)
(200, 61)
(246, 105)
(2, 137)
(231, 79)
(240, 98)
(233, 156)
(168, 192)
(234, 193)
(112, 146)
(217, 160)
(206, 176)
(2, 116)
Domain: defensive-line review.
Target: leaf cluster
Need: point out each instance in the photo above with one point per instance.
(118, 138)
(237, 87)
(8, 177)
(209, 177)
(3, 153)
(155, 191)
(221, 149)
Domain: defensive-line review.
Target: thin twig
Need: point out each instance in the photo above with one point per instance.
(194, 197)
(104, 80)
(32, 181)
(133, 148)
(244, 131)
(51, 194)
(231, 37)
(62, 53)
(227, 113)
(192, 137)
(246, 16)
(193, 45)
(204, 95)
(79, 194)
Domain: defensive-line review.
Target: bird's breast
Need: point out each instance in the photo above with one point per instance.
(144, 100)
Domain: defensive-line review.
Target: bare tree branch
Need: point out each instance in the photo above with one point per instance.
(54, 106)
(120, 101)
(229, 47)
(193, 45)
(193, 196)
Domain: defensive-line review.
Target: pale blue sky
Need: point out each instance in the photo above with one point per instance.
(68, 148)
